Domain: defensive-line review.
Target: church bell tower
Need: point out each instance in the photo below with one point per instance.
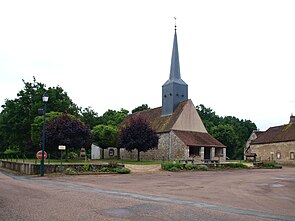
(175, 90)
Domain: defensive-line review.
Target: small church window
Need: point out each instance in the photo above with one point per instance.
(170, 94)
(177, 94)
(165, 95)
(182, 95)
(278, 155)
(292, 156)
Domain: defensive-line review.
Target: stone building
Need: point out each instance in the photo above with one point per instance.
(275, 144)
(182, 134)
(248, 155)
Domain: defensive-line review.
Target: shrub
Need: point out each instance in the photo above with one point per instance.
(271, 165)
(169, 165)
(12, 151)
(122, 170)
(237, 165)
(173, 169)
(189, 166)
(200, 167)
(103, 169)
(72, 155)
(86, 167)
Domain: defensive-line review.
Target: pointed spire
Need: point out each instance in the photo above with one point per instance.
(175, 68)
(175, 90)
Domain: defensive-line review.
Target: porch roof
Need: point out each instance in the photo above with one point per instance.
(198, 139)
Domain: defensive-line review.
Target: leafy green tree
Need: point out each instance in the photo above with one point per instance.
(18, 114)
(140, 108)
(105, 136)
(136, 133)
(208, 116)
(225, 133)
(113, 118)
(229, 130)
(90, 117)
(37, 126)
(67, 130)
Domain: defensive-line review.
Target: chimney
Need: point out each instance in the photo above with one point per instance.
(292, 119)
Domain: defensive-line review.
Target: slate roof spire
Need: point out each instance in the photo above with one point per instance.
(175, 89)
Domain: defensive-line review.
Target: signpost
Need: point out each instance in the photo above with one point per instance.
(61, 148)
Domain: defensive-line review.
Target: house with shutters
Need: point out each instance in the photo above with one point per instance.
(275, 144)
(182, 134)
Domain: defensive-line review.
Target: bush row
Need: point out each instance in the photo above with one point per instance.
(87, 168)
(174, 166)
(271, 165)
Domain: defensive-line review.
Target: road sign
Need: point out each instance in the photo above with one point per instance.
(62, 147)
(39, 155)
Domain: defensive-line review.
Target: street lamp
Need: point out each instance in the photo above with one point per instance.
(45, 100)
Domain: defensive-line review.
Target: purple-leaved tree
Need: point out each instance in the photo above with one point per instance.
(136, 133)
(69, 131)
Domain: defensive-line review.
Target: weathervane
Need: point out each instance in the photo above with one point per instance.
(175, 23)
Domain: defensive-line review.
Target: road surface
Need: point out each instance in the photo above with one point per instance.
(203, 195)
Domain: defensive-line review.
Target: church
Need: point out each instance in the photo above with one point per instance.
(182, 134)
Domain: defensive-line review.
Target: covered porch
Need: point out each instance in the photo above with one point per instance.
(207, 154)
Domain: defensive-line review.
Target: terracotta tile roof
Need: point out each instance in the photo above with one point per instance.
(158, 122)
(199, 139)
(277, 134)
(258, 133)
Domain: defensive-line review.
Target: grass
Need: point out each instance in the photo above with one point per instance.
(78, 161)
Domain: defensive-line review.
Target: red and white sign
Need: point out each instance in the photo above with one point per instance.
(39, 155)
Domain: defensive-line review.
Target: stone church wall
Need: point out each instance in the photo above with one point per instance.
(282, 152)
(170, 147)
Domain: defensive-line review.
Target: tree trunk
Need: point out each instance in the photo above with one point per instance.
(102, 153)
(138, 155)
(118, 153)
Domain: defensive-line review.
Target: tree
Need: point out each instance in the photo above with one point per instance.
(105, 136)
(67, 130)
(113, 118)
(136, 133)
(18, 114)
(89, 117)
(225, 133)
(140, 108)
(229, 130)
(208, 116)
(37, 126)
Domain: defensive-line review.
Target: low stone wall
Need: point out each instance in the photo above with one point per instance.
(34, 169)
(29, 168)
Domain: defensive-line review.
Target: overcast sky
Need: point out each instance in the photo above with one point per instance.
(237, 57)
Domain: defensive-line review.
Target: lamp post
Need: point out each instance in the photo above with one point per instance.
(44, 99)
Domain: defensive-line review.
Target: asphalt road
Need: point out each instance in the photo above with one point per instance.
(204, 195)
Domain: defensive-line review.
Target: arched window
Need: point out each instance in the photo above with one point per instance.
(278, 155)
(292, 156)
